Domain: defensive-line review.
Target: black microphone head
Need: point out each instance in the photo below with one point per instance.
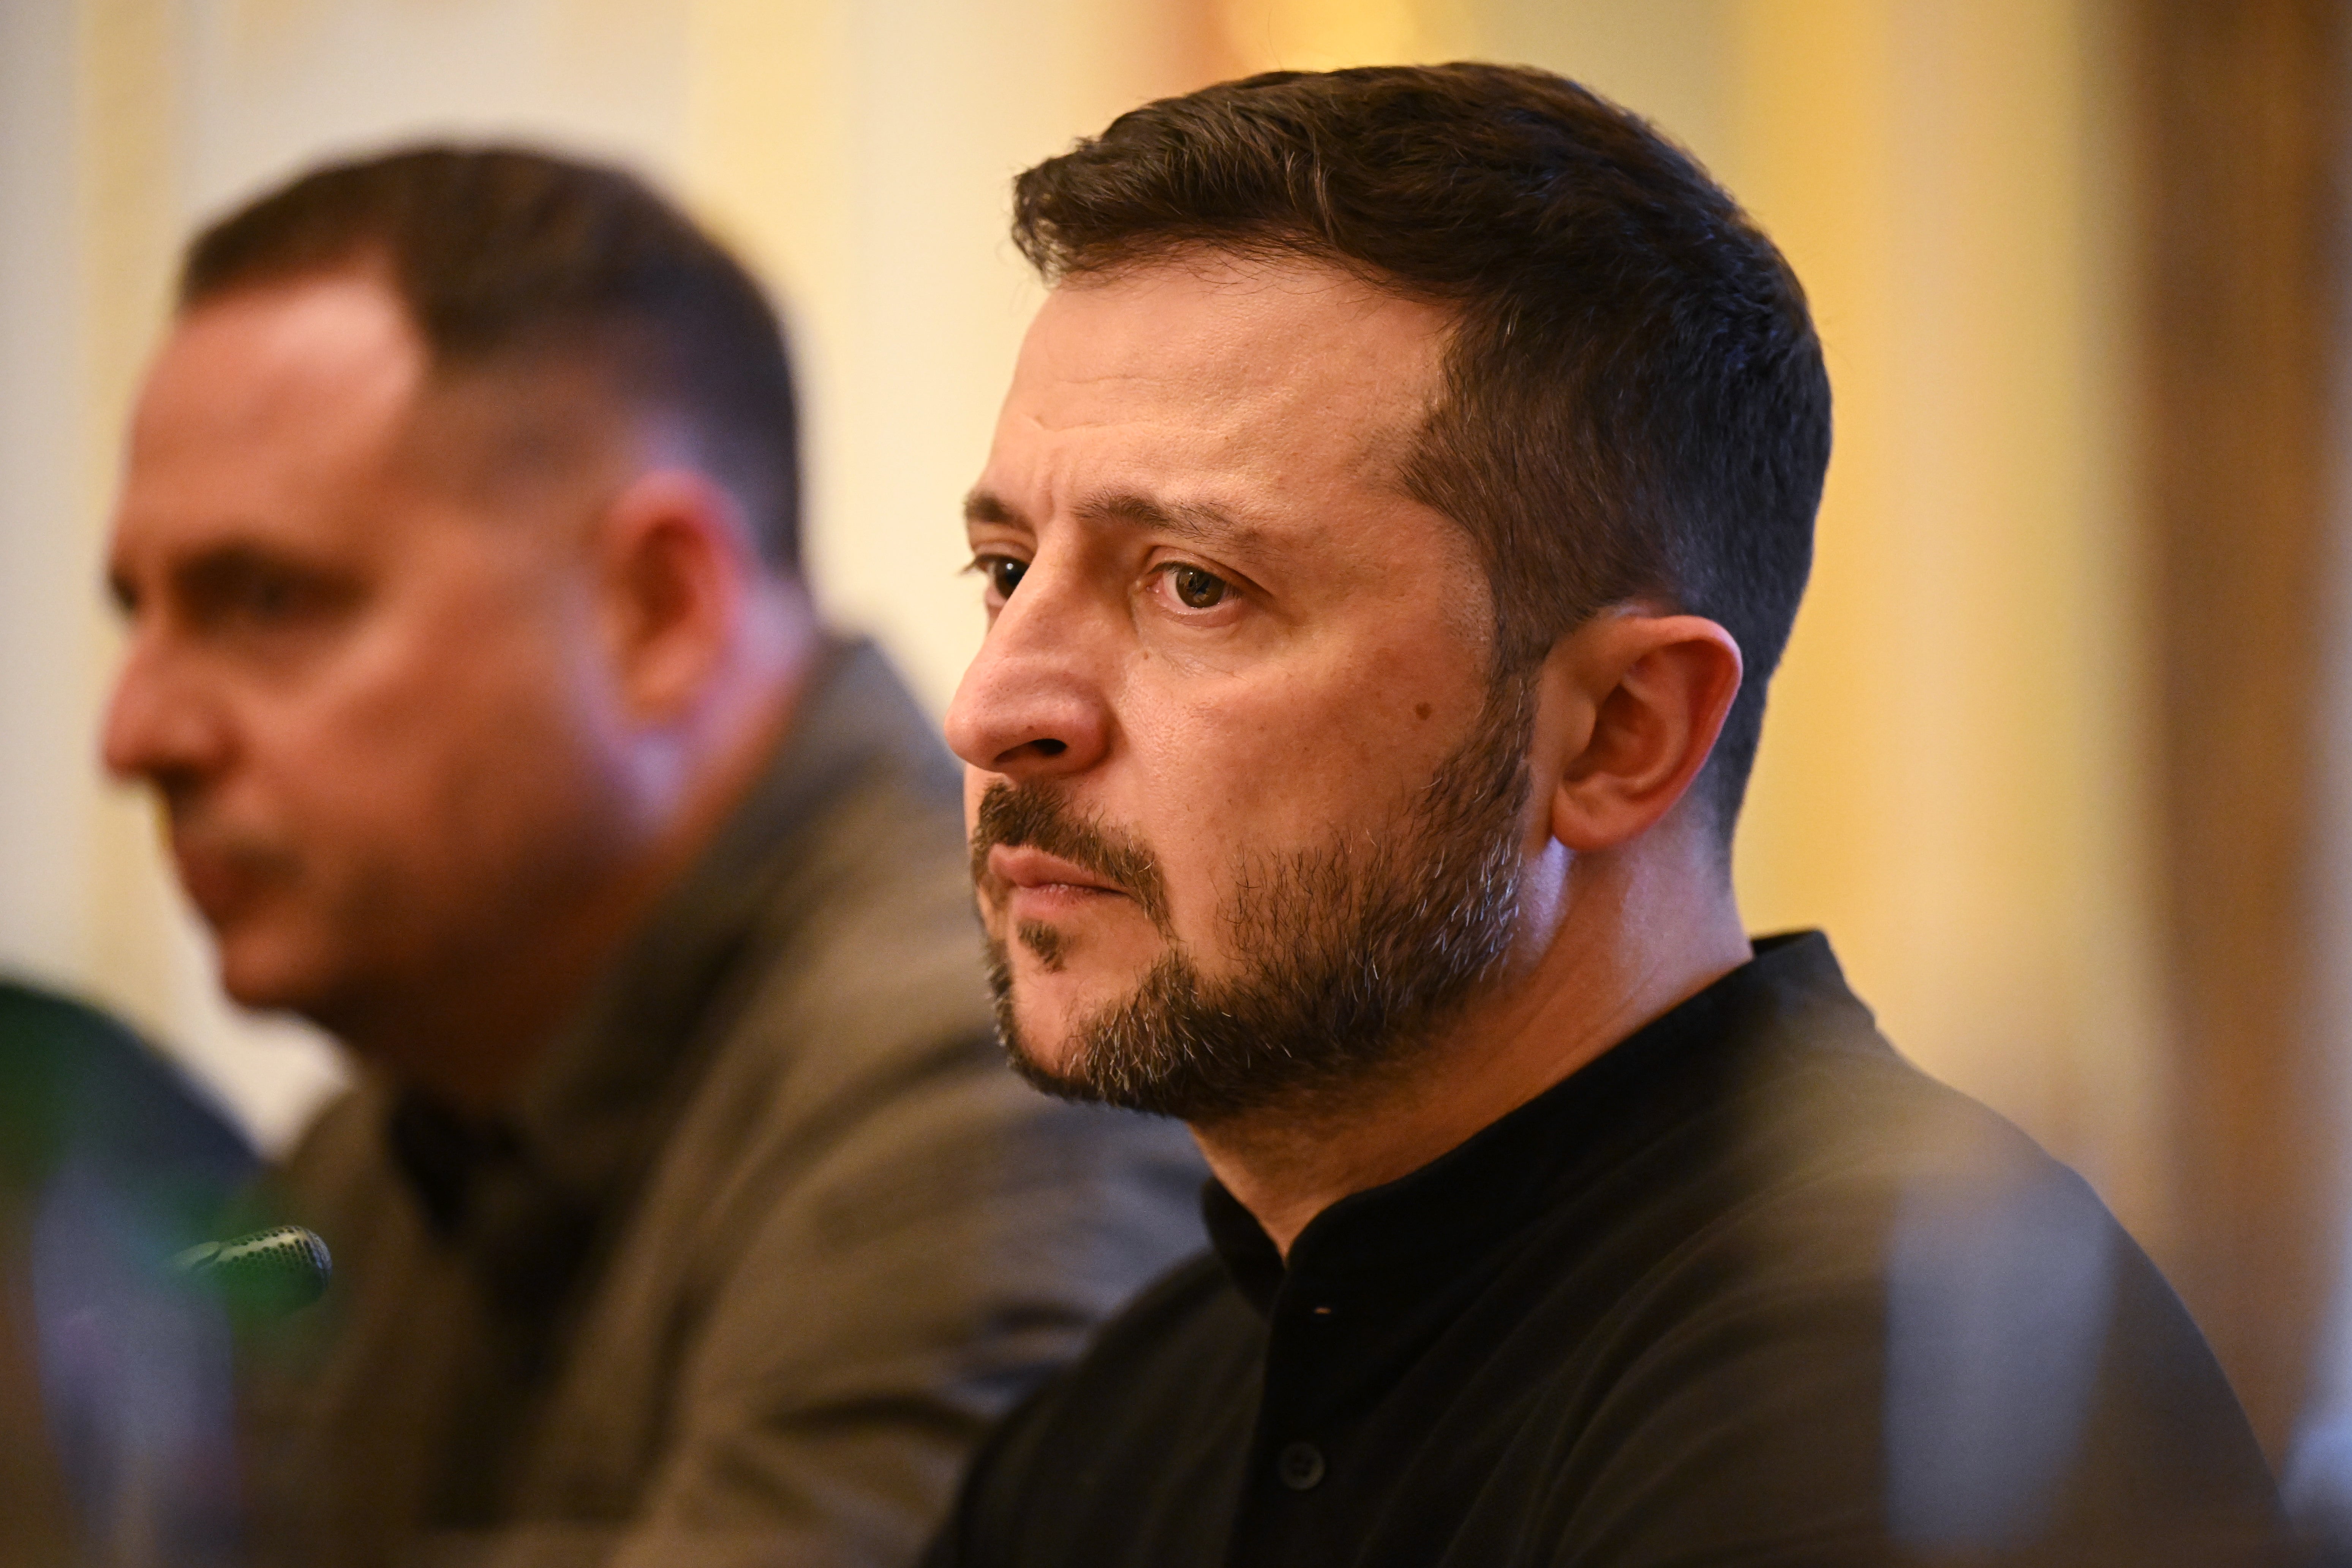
(268, 1273)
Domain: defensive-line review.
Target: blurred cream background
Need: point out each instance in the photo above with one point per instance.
(1954, 776)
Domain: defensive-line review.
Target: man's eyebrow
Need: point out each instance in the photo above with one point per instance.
(225, 567)
(232, 567)
(987, 506)
(1192, 520)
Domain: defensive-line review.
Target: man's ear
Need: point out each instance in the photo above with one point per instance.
(1628, 709)
(675, 574)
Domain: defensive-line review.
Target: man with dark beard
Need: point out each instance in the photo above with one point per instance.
(1402, 500)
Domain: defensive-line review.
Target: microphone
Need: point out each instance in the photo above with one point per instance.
(268, 1273)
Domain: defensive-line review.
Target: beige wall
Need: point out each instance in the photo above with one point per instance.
(1951, 775)
(1959, 782)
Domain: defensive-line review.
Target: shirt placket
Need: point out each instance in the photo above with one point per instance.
(1299, 1446)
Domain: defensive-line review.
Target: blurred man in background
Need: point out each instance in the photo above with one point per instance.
(685, 1213)
(1400, 503)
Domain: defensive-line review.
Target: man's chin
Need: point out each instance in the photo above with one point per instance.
(263, 974)
(1065, 1077)
(1044, 1050)
(1040, 1074)
(1038, 1030)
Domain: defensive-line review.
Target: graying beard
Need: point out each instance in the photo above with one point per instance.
(1350, 956)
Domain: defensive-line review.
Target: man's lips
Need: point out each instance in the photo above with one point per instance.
(215, 883)
(1037, 879)
(221, 879)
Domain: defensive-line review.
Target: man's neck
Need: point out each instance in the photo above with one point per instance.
(472, 1044)
(1628, 944)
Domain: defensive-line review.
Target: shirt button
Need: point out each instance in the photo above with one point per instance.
(1300, 1465)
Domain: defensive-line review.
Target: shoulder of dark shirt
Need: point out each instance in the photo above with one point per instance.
(77, 1084)
(1834, 1215)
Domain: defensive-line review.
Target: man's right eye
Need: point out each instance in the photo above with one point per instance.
(240, 592)
(267, 599)
(1003, 573)
(259, 601)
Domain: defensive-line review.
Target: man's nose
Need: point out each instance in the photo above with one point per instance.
(160, 727)
(1032, 705)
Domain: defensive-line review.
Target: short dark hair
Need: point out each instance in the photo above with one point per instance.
(1634, 403)
(507, 255)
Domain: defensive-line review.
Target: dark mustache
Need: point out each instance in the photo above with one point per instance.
(1025, 816)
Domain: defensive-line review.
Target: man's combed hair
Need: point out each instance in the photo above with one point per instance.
(1634, 403)
(506, 255)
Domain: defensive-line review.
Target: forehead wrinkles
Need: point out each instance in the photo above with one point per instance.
(1286, 331)
(1281, 428)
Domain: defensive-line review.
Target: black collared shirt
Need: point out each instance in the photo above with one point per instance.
(1745, 1289)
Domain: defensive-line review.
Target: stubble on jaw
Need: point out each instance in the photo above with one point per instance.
(1349, 954)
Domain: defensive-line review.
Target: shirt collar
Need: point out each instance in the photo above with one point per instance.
(1792, 994)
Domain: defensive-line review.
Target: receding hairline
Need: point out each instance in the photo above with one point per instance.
(513, 261)
(536, 414)
(370, 265)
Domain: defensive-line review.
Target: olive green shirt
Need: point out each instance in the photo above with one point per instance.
(771, 1240)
